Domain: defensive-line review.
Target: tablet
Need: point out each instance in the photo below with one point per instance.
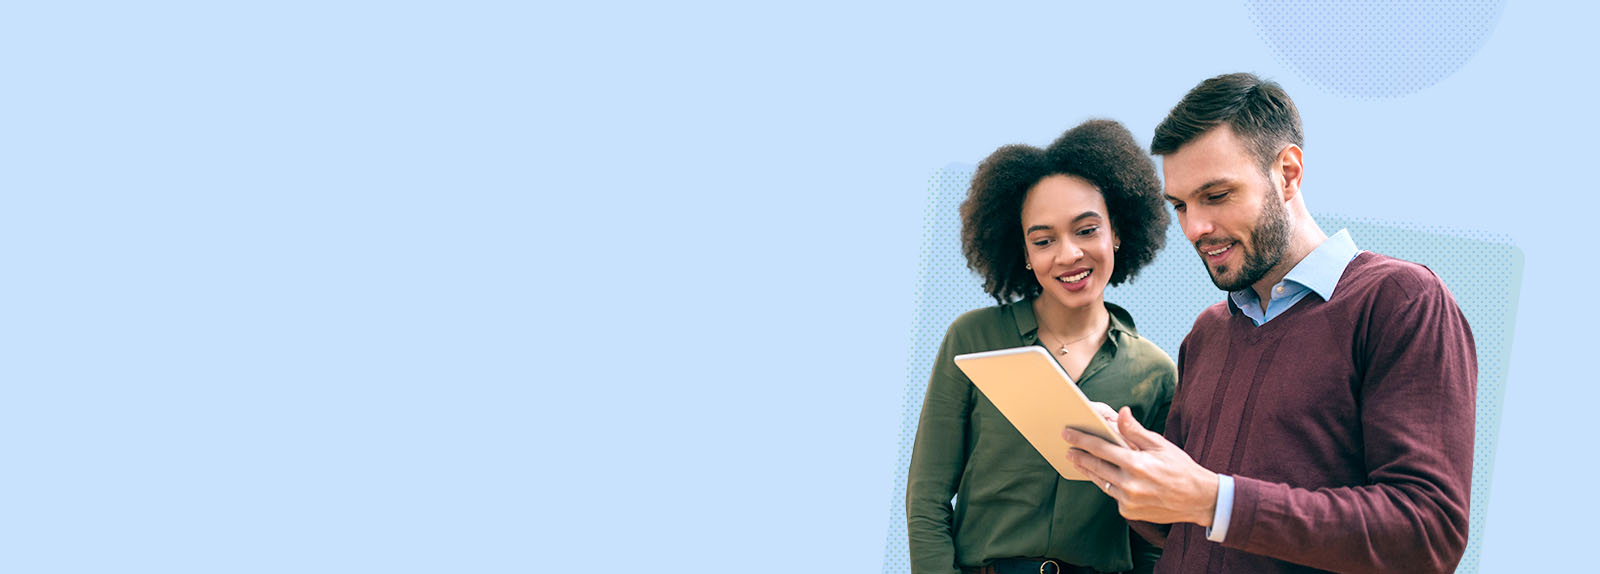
(1036, 396)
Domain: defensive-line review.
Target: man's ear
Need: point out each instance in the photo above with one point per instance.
(1290, 166)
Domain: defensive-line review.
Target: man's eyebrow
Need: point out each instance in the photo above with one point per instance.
(1203, 188)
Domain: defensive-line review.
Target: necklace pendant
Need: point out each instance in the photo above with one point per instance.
(1064, 350)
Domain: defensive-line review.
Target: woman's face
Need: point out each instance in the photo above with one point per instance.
(1068, 238)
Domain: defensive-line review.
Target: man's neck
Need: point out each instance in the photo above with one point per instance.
(1304, 240)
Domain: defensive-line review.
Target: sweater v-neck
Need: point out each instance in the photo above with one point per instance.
(1253, 333)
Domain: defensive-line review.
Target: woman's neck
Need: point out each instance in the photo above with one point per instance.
(1070, 322)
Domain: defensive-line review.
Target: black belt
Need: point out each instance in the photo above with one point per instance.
(1029, 566)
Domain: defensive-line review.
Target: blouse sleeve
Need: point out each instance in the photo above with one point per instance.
(937, 459)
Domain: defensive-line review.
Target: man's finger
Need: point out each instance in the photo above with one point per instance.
(1099, 472)
(1099, 447)
(1135, 433)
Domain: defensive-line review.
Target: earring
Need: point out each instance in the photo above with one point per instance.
(1029, 266)
(1116, 247)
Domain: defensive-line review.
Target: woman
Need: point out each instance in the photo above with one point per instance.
(1047, 230)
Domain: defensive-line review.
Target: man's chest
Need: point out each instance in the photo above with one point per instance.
(1271, 406)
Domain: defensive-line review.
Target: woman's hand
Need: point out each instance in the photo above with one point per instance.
(1105, 411)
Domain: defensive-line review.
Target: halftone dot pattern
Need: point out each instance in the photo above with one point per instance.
(946, 289)
(1483, 271)
(1375, 49)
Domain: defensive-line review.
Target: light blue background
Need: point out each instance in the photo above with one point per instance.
(397, 287)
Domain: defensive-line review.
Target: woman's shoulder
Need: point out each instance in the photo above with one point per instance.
(987, 325)
(1147, 354)
(982, 317)
(1136, 348)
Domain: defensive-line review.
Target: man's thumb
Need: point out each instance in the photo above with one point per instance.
(1135, 433)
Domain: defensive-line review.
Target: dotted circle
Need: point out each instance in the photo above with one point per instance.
(1375, 49)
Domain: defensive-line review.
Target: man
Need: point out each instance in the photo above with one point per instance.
(1324, 412)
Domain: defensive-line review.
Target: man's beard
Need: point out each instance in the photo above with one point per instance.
(1268, 241)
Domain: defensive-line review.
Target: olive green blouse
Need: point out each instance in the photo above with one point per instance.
(1009, 501)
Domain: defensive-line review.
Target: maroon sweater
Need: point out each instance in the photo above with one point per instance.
(1346, 424)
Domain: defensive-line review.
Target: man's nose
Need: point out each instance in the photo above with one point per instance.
(1195, 225)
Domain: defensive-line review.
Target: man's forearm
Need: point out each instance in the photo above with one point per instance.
(1375, 528)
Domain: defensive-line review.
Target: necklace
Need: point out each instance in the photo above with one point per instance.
(1064, 351)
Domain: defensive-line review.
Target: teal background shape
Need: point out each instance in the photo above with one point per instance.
(1482, 270)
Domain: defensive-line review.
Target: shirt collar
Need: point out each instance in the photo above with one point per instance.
(1319, 271)
(1028, 324)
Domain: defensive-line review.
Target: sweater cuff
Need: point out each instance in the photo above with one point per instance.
(1247, 493)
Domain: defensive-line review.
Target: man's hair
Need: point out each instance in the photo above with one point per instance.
(1260, 113)
(1101, 152)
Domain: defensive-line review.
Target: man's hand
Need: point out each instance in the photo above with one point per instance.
(1153, 481)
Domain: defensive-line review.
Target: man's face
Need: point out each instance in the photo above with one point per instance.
(1228, 208)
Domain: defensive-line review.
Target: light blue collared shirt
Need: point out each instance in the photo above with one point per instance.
(1318, 273)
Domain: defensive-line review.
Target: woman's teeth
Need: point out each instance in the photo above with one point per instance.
(1073, 278)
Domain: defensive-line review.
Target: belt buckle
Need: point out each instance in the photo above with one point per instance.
(1049, 562)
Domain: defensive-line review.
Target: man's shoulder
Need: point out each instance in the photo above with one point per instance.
(1375, 276)
(1215, 316)
(1211, 324)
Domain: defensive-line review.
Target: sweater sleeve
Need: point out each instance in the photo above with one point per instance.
(938, 457)
(1418, 380)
